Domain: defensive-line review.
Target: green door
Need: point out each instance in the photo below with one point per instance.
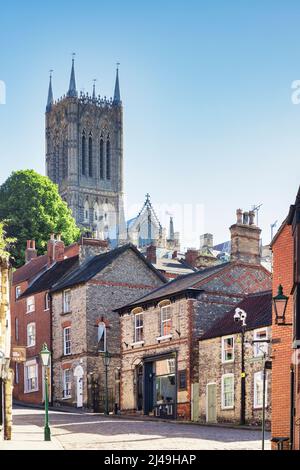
(211, 414)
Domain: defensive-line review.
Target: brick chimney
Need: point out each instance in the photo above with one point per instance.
(30, 251)
(191, 256)
(151, 254)
(245, 238)
(89, 247)
(55, 249)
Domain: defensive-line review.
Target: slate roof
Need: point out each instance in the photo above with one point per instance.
(50, 277)
(259, 314)
(30, 270)
(180, 284)
(96, 264)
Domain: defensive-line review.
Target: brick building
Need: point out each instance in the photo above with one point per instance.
(286, 335)
(85, 326)
(220, 366)
(160, 331)
(31, 311)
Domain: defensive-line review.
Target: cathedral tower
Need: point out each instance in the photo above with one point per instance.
(84, 156)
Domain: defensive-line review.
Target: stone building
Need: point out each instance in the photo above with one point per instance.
(286, 332)
(84, 156)
(220, 366)
(145, 229)
(160, 331)
(85, 326)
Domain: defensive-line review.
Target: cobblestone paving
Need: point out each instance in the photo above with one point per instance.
(87, 431)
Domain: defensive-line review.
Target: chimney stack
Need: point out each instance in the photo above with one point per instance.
(89, 247)
(55, 249)
(151, 254)
(206, 240)
(245, 238)
(30, 252)
(191, 256)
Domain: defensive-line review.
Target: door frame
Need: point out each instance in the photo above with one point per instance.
(78, 373)
(206, 411)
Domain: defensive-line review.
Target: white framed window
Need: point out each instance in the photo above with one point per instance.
(165, 320)
(67, 340)
(30, 376)
(101, 337)
(139, 327)
(18, 292)
(67, 391)
(30, 304)
(67, 301)
(31, 334)
(227, 349)
(227, 391)
(260, 348)
(47, 301)
(258, 390)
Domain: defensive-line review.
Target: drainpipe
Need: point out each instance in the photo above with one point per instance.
(292, 408)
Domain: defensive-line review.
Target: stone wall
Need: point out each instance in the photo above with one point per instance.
(211, 370)
(134, 353)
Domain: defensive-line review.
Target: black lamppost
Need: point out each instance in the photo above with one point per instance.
(280, 303)
(241, 316)
(45, 356)
(106, 361)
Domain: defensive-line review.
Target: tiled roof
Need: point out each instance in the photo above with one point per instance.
(51, 276)
(94, 265)
(259, 314)
(30, 270)
(180, 284)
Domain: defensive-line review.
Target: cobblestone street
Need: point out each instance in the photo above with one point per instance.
(85, 431)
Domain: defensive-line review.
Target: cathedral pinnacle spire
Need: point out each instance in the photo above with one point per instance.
(171, 229)
(72, 92)
(117, 96)
(50, 94)
(94, 88)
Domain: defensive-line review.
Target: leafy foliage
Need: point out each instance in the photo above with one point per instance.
(32, 208)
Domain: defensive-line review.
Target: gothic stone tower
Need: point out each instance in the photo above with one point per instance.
(84, 157)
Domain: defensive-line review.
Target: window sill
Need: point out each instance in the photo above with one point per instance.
(256, 407)
(137, 343)
(227, 408)
(228, 362)
(65, 313)
(162, 338)
(31, 391)
(31, 346)
(30, 311)
(67, 398)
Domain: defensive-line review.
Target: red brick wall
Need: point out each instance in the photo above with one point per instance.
(41, 317)
(283, 253)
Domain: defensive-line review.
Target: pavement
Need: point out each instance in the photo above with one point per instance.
(85, 431)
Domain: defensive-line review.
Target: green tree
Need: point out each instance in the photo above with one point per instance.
(32, 208)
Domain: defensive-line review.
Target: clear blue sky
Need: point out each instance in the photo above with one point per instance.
(206, 87)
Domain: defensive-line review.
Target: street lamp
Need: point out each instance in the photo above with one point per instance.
(106, 361)
(45, 356)
(241, 316)
(280, 303)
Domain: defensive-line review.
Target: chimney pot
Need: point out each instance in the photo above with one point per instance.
(246, 218)
(251, 217)
(239, 216)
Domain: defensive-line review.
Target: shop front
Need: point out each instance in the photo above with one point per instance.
(159, 392)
